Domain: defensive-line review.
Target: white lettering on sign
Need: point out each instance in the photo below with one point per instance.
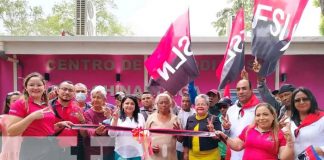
(167, 67)
(276, 29)
(234, 47)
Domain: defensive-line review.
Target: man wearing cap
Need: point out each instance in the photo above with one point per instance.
(214, 97)
(285, 92)
(241, 113)
(223, 105)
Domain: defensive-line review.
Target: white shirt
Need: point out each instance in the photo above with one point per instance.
(312, 134)
(125, 145)
(183, 116)
(238, 123)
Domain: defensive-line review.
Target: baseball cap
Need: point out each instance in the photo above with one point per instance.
(212, 91)
(286, 88)
(274, 92)
(224, 101)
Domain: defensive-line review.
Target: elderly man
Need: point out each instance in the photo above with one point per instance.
(81, 94)
(241, 113)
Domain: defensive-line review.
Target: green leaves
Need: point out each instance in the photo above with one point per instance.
(223, 16)
(21, 19)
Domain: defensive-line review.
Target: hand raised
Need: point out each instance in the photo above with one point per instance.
(226, 123)
(40, 113)
(210, 125)
(287, 133)
(282, 122)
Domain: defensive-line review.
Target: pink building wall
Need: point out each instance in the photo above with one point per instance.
(6, 80)
(305, 71)
(101, 70)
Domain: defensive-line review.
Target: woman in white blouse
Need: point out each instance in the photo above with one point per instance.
(126, 146)
(307, 123)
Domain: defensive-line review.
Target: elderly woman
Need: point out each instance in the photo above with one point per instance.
(126, 147)
(164, 146)
(202, 147)
(263, 139)
(96, 115)
(307, 122)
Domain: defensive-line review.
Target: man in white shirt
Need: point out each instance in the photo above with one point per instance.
(241, 113)
(185, 111)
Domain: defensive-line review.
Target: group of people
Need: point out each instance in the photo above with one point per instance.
(271, 128)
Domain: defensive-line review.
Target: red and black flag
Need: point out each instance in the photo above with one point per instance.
(274, 23)
(233, 61)
(172, 64)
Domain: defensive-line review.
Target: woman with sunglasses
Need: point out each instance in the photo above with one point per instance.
(307, 123)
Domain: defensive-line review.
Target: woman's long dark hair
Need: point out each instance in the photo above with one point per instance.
(313, 104)
(6, 106)
(136, 111)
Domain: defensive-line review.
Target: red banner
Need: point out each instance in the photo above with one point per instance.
(233, 61)
(274, 23)
(172, 64)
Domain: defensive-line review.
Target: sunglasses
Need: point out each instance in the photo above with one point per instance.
(223, 106)
(298, 100)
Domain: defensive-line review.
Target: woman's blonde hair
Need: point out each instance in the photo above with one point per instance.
(275, 124)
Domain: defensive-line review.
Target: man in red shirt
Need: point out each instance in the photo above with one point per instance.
(65, 109)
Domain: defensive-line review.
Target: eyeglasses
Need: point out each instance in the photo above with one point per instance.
(67, 89)
(298, 100)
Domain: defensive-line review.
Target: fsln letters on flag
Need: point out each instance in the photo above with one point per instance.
(273, 26)
(233, 61)
(172, 64)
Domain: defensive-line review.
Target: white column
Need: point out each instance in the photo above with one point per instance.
(15, 73)
(277, 75)
(145, 74)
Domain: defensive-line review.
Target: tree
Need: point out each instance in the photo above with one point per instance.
(223, 16)
(20, 19)
(107, 24)
(16, 16)
(320, 3)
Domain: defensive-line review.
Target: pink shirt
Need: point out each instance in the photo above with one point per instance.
(39, 127)
(260, 145)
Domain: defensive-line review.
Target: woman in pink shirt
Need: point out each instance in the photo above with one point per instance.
(263, 139)
(32, 118)
(10, 145)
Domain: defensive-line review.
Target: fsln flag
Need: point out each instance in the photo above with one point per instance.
(274, 23)
(308, 154)
(172, 64)
(233, 61)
